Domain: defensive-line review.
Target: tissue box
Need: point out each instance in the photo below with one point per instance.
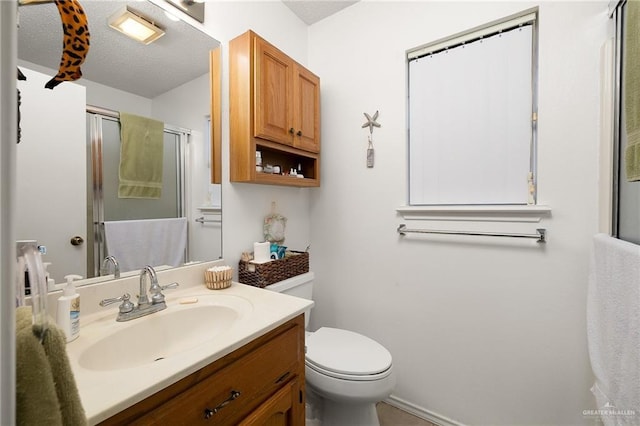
(264, 274)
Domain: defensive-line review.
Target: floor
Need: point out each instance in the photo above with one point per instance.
(392, 416)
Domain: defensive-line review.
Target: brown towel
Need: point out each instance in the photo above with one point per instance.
(46, 392)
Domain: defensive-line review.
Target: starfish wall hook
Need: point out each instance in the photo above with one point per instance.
(371, 122)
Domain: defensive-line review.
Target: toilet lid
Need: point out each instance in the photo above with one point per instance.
(346, 352)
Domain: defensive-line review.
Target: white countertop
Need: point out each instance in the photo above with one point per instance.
(107, 392)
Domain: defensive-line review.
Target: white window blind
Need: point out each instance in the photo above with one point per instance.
(470, 122)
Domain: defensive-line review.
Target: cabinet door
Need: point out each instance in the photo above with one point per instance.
(273, 114)
(276, 411)
(306, 95)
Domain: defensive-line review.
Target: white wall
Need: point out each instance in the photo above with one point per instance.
(103, 96)
(245, 205)
(116, 100)
(482, 331)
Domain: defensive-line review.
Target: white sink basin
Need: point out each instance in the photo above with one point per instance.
(161, 335)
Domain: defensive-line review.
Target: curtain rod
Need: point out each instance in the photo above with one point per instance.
(524, 18)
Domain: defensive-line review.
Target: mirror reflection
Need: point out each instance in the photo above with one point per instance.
(69, 150)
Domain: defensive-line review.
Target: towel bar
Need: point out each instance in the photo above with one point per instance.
(541, 235)
(203, 220)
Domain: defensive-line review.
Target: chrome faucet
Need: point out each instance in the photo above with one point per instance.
(105, 267)
(143, 299)
(145, 305)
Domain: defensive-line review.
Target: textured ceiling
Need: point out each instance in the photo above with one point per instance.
(312, 11)
(115, 60)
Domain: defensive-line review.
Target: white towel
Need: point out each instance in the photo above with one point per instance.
(155, 242)
(613, 329)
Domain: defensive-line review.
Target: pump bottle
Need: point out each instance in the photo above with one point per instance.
(68, 315)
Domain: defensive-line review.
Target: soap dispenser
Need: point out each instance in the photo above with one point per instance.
(68, 315)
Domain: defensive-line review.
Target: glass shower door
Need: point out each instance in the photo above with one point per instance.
(104, 162)
(133, 208)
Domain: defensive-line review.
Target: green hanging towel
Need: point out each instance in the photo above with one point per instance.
(46, 389)
(141, 155)
(632, 90)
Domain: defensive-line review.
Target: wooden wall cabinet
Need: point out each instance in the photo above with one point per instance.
(261, 383)
(275, 109)
(215, 72)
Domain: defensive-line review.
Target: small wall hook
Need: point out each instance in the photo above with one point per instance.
(371, 122)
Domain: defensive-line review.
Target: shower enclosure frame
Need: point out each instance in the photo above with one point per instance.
(96, 247)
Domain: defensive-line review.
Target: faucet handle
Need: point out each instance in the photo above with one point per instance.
(126, 305)
(156, 292)
(172, 285)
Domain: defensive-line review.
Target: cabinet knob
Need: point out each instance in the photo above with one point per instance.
(291, 130)
(299, 133)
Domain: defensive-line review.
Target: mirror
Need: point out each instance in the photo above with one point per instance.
(169, 80)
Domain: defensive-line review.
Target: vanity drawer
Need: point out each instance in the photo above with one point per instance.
(232, 393)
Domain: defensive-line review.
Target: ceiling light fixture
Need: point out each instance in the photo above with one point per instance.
(135, 26)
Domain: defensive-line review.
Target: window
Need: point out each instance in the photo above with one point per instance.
(472, 116)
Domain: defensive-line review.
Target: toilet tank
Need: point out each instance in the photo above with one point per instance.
(298, 286)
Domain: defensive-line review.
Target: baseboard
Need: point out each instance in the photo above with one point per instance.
(421, 412)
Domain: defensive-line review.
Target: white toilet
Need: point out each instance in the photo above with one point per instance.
(346, 372)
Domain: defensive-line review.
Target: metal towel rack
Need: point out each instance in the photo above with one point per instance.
(201, 219)
(541, 235)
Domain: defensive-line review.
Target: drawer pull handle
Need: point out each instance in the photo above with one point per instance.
(208, 412)
(284, 376)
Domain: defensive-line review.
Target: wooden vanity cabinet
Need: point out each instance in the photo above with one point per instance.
(275, 109)
(261, 383)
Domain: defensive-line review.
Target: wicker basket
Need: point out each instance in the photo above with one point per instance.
(264, 274)
(217, 280)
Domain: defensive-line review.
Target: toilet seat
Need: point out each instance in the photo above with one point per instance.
(347, 355)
